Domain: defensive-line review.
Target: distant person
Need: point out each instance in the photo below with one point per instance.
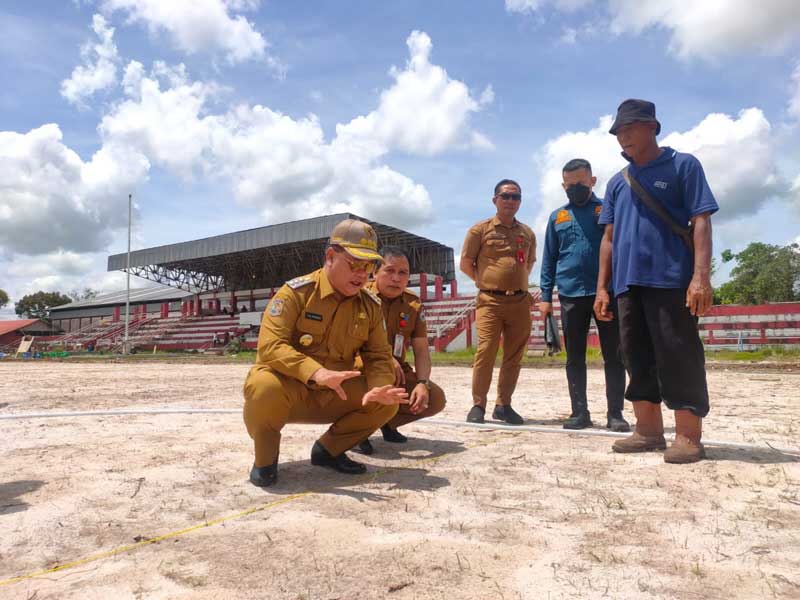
(311, 332)
(570, 263)
(661, 278)
(214, 340)
(243, 309)
(405, 327)
(498, 255)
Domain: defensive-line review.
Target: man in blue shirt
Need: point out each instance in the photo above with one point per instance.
(661, 277)
(570, 262)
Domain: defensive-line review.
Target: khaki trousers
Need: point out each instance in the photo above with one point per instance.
(496, 316)
(271, 400)
(436, 402)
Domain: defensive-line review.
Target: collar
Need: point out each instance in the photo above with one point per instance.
(496, 221)
(667, 154)
(325, 287)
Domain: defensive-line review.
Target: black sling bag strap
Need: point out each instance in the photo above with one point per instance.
(682, 231)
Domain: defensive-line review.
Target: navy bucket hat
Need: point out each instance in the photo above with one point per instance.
(633, 110)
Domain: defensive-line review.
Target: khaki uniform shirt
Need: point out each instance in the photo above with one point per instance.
(404, 318)
(503, 255)
(306, 327)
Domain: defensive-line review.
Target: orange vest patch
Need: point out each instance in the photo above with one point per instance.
(563, 216)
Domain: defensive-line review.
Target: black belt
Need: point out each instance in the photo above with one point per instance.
(504, 292)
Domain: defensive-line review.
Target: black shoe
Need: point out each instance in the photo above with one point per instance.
(507, 414)
(264, 476)
(617, 423)
(392, 435)
(475, 414)
(342, 463)
(365, 447)
(581, 421)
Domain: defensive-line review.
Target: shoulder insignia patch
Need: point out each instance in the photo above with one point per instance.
(563, 216)
(276, 307)
(372, 296)
(299, 282)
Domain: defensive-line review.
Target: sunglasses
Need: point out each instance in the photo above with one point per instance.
(507, 196)
(357, 266)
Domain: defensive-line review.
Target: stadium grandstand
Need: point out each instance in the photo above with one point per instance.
(209, 292)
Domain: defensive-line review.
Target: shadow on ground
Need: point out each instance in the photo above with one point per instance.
(10, 493)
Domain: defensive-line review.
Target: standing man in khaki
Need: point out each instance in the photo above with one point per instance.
(498, 254)
(310, 334)
(405, 326)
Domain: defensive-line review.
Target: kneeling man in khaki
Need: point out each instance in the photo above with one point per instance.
(311, 332)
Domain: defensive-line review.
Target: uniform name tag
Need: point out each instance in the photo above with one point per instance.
(313, 316)
(399, 346)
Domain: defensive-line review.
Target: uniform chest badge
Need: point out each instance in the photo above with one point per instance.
(403, 319)
(563, 216)
(306, 339)
(520, 249)
(362, 315)
(276, 307)
(598, 210)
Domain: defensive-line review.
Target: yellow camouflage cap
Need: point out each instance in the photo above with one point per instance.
(357, 238)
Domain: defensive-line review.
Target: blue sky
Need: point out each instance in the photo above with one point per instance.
(221, 115)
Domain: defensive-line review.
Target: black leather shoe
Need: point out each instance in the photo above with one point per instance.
(475, 414)
(507, 414)
(365, 447)
(581, 421)
(617, 423)
(264, 476)
(392, 435)
(342, 463)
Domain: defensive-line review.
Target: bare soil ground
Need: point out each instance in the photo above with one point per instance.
(455, 513)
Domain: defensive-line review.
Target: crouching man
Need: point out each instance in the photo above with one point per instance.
(405, 326)
(311, 332)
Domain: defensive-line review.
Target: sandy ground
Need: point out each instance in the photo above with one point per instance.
(455, 513)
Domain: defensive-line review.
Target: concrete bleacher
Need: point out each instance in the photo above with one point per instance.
(194, 333)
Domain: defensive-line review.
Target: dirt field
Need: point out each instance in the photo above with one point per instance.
(456, 513)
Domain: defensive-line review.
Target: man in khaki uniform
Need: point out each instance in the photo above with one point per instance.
(498, 254)
(405, 326)
(310, 334)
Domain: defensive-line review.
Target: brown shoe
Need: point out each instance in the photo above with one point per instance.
(683, 451)
(636, 442)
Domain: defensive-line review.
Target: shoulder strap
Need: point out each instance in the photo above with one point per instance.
(683, 232)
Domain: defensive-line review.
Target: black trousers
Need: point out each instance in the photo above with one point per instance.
(662, 349)
(576, 316)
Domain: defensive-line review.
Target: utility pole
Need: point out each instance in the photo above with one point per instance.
(128, 277)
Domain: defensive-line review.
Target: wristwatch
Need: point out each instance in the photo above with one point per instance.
(426, 383)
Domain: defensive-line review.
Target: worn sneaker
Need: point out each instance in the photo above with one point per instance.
(476, 414)
(683, 451)
(636, 442)
(507, 414)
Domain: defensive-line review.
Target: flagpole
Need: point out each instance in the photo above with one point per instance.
(128, 278)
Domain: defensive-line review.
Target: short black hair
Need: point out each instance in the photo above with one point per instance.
(503, 182)
(575, 164)
(397, 251)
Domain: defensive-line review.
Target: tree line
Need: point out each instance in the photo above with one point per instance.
(762, 273)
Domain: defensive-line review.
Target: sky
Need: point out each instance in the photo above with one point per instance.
(222, 115)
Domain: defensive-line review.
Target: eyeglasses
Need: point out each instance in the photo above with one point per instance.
(357, 266)
(507, 196)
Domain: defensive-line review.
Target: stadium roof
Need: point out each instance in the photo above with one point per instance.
(268, 256)
(138, 296)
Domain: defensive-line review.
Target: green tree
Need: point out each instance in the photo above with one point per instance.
(87, 294)
(35, 306)
(3, 298)
(763, 273)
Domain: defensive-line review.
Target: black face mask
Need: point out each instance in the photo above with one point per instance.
(579, 194)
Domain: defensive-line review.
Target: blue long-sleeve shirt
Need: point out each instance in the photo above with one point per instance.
(571, 255)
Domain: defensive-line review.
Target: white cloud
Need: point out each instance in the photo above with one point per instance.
(199, 25)
(99, 70)
(794, 98)
(50, 199)
(738, 156)
(714, 27)
(424, 112)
